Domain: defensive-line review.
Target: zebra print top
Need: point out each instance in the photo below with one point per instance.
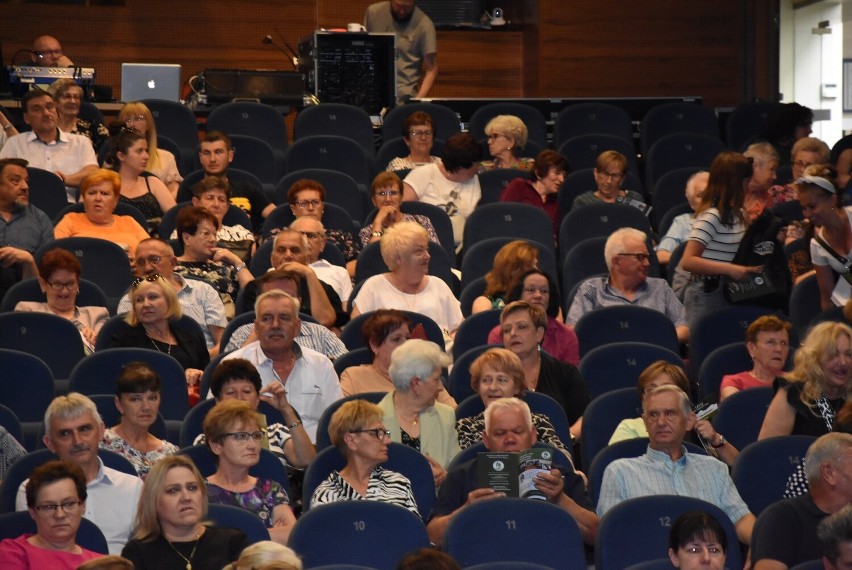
(386, 486)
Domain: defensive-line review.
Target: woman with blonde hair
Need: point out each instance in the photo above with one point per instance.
(512, 260)
(161, 163)
(171, 533)
(69, 97)
(497, 373)
(357, 430)
(507, 135)
(808, 397)
(266, 555)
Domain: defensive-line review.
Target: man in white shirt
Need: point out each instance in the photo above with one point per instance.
(70, 157)
(308, 377)
(336, 276)
(73, 431)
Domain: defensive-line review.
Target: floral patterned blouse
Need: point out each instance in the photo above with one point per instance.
(261, 500)
(142, 461)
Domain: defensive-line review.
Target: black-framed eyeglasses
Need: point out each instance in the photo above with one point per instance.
(421, 133)
(66, 506)
(381, 434)
(640, 257)
(57, 286)
(145, 278)
(306, 203)
(244, 436)
(386, 193)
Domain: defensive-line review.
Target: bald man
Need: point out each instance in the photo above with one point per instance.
(48, 53)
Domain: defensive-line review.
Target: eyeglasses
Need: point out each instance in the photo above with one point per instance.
(306, 203)
(205, 234)
(640, 257)
(53, 52)
(421, 133)
(802, 164)
(66, 506)
(381, 434)
(57, 286)
(152, 259)
(532, 290)
(135, 118)
(387, 193)
(145, 278)
(500, 381)
(244, 436)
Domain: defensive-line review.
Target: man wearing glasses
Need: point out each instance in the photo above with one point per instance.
(335, 275)
(628, 283)
(48, 53)
(73, 431)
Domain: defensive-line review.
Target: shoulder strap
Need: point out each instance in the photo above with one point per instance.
(831, 251)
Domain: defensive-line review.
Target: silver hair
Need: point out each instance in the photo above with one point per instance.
(506, 404)
(615, 243)
(70, 407)
(276, 294)
(415, 358)
(685, 403)
(826, 449)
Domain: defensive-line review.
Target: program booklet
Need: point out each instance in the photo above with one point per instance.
(514, 473)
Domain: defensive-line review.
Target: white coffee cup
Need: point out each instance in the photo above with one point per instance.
(355, 27)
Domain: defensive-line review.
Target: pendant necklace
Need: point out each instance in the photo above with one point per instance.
(191, 554)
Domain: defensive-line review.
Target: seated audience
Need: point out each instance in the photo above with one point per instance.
(512, 260)
(408, 285)
(161, 163)
(764, 160)
(668, 468)
(129, 157)
(56, 499)
(214, 193)
(540, 190)
(137, 398)
(539, 290)
(451, 184)
(307, 376)
(523, 326)
(357, 431)
(311, 335)
(808, 397)
(497, 373)
(384, 331)
(266, 555)
(662, 373)
(69, 96)
(387, 197)
(170, 530)
(697, 540)
(10, 451)
(806, 152)
(610, 170)
(327, 272)
(203, 260)
(797, 482)
(682, 224)
(238, 379)
(509, 428)
(627, 259)
(835, 535)
(507, 136)
(198, 300)
(73, 429)
(411, 411)
(233, 431)
(100, 192)
(151, 320)
(59, 279)
(768, 342)
(786, 531)
(419, 133)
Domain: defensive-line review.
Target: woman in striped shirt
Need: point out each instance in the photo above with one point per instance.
(716, 234)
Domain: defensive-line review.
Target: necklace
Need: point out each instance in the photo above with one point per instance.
(168, 346)
(191, 554)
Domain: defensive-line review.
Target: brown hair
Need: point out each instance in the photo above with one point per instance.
(352, 415)
(766, 323)
(189, 218)
(383, 180)
(381, 323)
(227, 414)
(209, 183)
(417, 118)
(725, 189)
(304, 184)
(512, 260)
(56, 260)
(502, 360)
(657, 368)
(55, 471)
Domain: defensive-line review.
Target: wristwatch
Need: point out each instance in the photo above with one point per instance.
(376, 234)
(722, 441)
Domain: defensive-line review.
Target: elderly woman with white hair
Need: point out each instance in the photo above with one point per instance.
(411, 412)
(507, 135)
(408, 285)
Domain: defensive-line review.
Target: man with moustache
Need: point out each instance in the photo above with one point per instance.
(70, 157)
(308, 377)
(416, 45)
(23, 227)
(73, 431)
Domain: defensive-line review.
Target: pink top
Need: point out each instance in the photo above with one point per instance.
(742, 381)
(560, 342)
(18, 554)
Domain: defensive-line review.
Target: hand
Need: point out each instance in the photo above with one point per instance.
(385, 217)
(738, 272)
(438, 472)
(482, 495)
(274, 395)
(299, 268)
(12, 255)
(705, 430)
(89, 335)
(193, 376)
(551, 484)
(226, 256)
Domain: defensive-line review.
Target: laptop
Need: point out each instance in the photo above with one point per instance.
(150, 81)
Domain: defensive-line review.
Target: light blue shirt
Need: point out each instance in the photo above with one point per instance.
(654, 293)
(654, 473)
(677, 232)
